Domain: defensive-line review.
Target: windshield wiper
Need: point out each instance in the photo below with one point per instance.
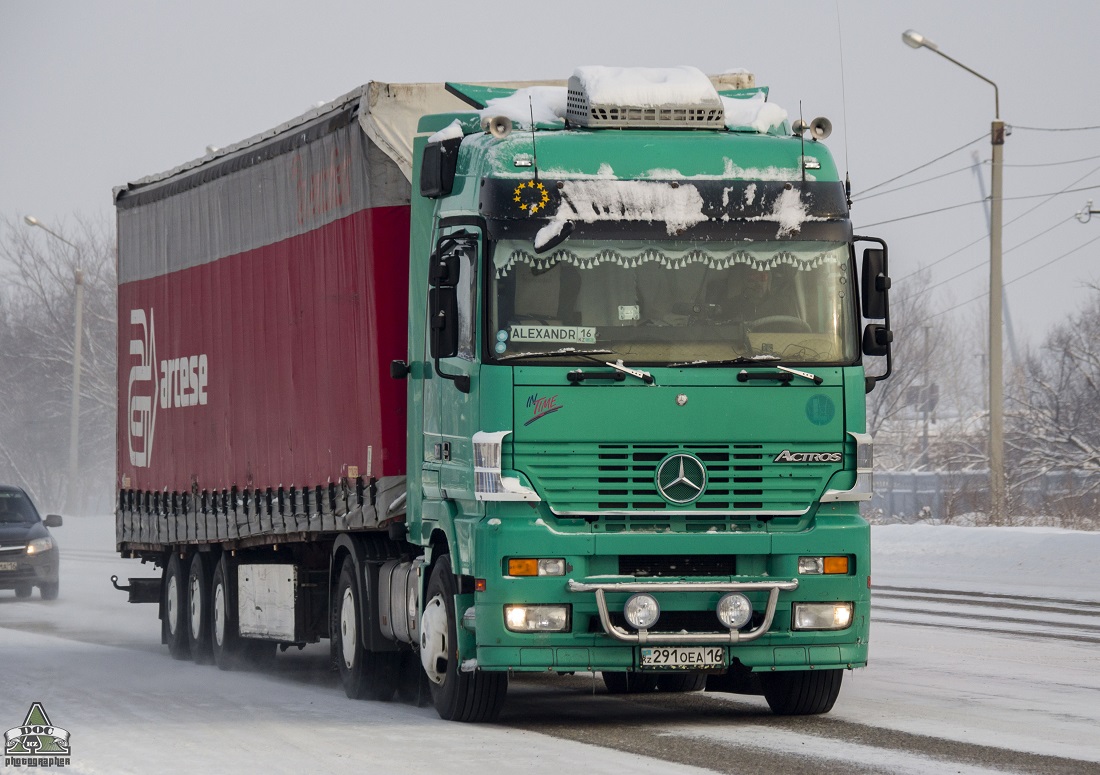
(784, 375)
(590, 355)
(563, 351)
(738, 361)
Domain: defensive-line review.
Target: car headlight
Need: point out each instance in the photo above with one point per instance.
(40, 545)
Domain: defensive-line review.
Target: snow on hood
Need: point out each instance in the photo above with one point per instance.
(547, 103)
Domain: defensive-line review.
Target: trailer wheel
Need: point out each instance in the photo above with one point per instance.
(198, 609)
(618, 682)
(175, 606)
(366, 675)
(802, 692)
(457, 696)
(225, 641)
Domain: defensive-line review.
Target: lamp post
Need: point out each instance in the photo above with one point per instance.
(996, 287)
(74, 416)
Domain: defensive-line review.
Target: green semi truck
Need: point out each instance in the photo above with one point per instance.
(475, 380)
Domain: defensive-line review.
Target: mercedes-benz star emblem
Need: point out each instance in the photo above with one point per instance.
(681, 478)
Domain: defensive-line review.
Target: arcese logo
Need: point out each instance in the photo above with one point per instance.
(170, 384)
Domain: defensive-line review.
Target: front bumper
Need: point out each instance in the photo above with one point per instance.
(28, 570)
(595, 591)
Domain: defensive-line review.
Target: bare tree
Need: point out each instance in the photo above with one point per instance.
(1054, 417)
(37, 314)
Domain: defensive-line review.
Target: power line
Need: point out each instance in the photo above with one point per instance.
(978, 202)
(1010, 282)
(1055, 129)
(1018, 217)
(983, 162)
(910, 185)
(922, 166)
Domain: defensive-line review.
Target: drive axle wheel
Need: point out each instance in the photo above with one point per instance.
(365, 674)
(457, 695)
(175, 607)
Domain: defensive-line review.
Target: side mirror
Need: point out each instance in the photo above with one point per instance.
(877, 339)
(52, 520)
(876, 284)
(438, 168)
(443, 318)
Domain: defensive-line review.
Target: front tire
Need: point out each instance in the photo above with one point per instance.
(48, 591)
(175, 607)
(24, 591)
(457, 696)
(366, 675)
(620, 682)
(802, 692)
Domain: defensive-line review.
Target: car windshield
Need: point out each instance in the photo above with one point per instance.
(675, 302)
(16, 508)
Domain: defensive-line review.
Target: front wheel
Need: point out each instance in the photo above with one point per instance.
(801, 692)
(457, 695)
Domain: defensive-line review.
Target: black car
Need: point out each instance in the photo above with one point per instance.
(28, 553)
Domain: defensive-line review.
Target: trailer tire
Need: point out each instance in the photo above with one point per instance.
(175, 607)
(366, 675)
(198, 609)
(801, 692)
(225, 640)
(458, 696)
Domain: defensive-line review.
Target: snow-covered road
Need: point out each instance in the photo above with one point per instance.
(1007, 695)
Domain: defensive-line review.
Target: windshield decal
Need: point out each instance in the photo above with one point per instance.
(577, 334)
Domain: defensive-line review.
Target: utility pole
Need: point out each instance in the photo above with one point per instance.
(997, 489)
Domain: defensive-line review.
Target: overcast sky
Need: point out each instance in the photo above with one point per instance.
(100, 92)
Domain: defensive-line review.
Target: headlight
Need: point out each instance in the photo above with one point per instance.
(821, 616)
(536, 567)
(536, 618)
(642, 611)
(734, 610)
(40, 545)
(822, 565)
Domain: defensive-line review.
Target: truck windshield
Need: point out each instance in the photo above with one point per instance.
(675, 302)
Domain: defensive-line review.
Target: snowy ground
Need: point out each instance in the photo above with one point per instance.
(97, 666)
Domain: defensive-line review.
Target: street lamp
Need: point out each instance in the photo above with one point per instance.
(996, 288)
(74, 416)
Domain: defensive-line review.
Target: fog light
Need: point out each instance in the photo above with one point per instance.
(734, 610)
(822, 616)
(536, 618)
(642, 611)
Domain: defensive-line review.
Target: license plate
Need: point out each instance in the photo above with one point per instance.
(683, 656)
(8, 565)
